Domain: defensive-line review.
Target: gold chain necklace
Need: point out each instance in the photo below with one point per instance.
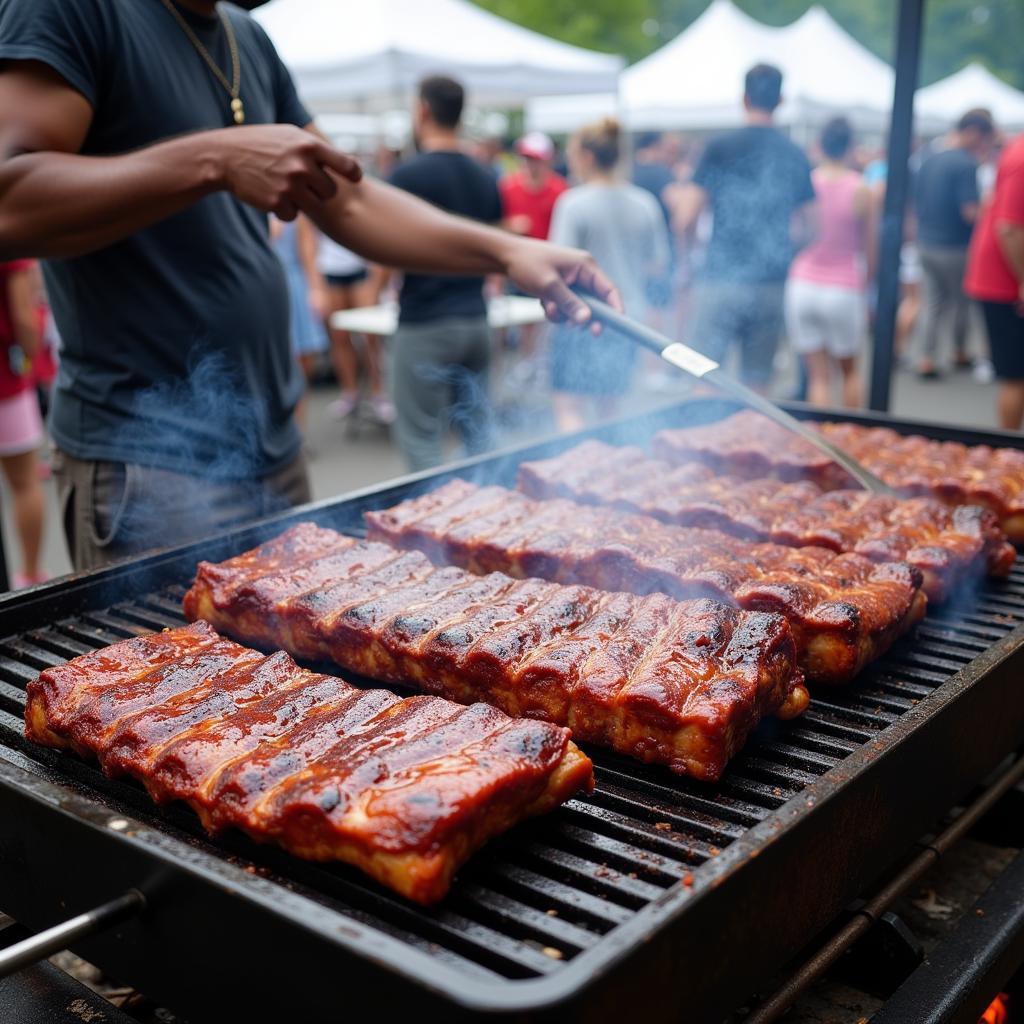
(234, 86)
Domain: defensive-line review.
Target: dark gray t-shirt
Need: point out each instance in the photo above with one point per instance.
(945, 182)
(755, 179)
(175, 348)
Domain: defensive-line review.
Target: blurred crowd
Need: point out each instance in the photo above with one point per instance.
(746, 246)
(754, 250)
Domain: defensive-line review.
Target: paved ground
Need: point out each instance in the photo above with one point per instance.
(344, 457)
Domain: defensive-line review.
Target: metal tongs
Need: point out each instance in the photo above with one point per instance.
(700, 366)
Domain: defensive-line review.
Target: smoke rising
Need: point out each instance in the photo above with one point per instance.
(195, 458)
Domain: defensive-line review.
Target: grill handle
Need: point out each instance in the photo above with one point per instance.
(698, 365)
(60, 936)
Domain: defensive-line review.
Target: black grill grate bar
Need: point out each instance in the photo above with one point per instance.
(796, 757)
(824, 723)
(901, 685)
(591, 876)
(544, 928)
(27, 655)
(793, 779)
(536, 889)
(996, 605)
(646, 846)
(875, 720)
(879, 702)
(633, 860)
(965, 624)
(932, 661)
(647, 816)
(719, 804)
(152, 620)
(811, 740)
(934, 634)
(12, 700)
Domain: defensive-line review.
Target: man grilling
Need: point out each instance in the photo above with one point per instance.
(141, 146)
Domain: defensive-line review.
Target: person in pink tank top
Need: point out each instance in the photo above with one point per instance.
(826, 313)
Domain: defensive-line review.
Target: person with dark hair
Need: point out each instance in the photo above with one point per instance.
(995, 277)
(442, 350)
(762, 87)
(947, 203)
(142, 145)
(826, 314)
(758, 187)
(623, 225)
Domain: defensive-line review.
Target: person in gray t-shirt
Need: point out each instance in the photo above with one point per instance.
(623, 226)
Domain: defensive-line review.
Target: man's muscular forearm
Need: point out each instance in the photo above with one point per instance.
(393, 228)
(56, 205)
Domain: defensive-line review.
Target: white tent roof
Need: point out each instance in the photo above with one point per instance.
(696, 80)
(972, 86)
(372, 55)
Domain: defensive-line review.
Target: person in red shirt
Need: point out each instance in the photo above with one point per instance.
(527, 201)
(528, 195)
(21, 427)
(995, 277)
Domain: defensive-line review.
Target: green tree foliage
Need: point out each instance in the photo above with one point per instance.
(956, 31)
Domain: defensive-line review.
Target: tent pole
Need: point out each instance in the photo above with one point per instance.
(909, 22)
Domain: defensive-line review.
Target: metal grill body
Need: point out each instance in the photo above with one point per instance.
(656, 884)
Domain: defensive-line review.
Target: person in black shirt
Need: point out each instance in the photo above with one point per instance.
(441, 352)
(142, 145)
(758, 187)
(946, 202)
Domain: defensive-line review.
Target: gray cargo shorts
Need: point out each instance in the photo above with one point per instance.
(112, 510)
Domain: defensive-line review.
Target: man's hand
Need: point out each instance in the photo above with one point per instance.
(279, 168)
(548, 272)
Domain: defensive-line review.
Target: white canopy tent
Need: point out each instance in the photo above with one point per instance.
(370, 59)
(696, 81)
(972, 86)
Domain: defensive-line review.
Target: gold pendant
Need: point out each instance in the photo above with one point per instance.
(239, 110)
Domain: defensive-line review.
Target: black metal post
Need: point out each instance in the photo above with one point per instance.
(909, 22)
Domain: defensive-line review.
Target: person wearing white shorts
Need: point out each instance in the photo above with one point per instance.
(825, 318)
(825, 304)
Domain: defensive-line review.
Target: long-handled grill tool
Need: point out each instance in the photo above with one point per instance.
(698, 365)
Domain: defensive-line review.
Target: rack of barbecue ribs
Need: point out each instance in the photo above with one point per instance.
(678, 683)
(844, 610)
(951, 546)
(749, 445)
(405, 789)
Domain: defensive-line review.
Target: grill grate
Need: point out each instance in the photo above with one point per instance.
(540, 898)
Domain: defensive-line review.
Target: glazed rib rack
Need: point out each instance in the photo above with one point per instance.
(950, 546)
(748, 445)
(404, 789)
(844, 610)
(656, 883)
(676, 683)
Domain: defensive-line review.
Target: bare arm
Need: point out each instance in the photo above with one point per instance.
(1011, 241)
(308, 245)
(23, 301)
(867, 209)
(804, 226)
(687, 203)
(57, 203)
